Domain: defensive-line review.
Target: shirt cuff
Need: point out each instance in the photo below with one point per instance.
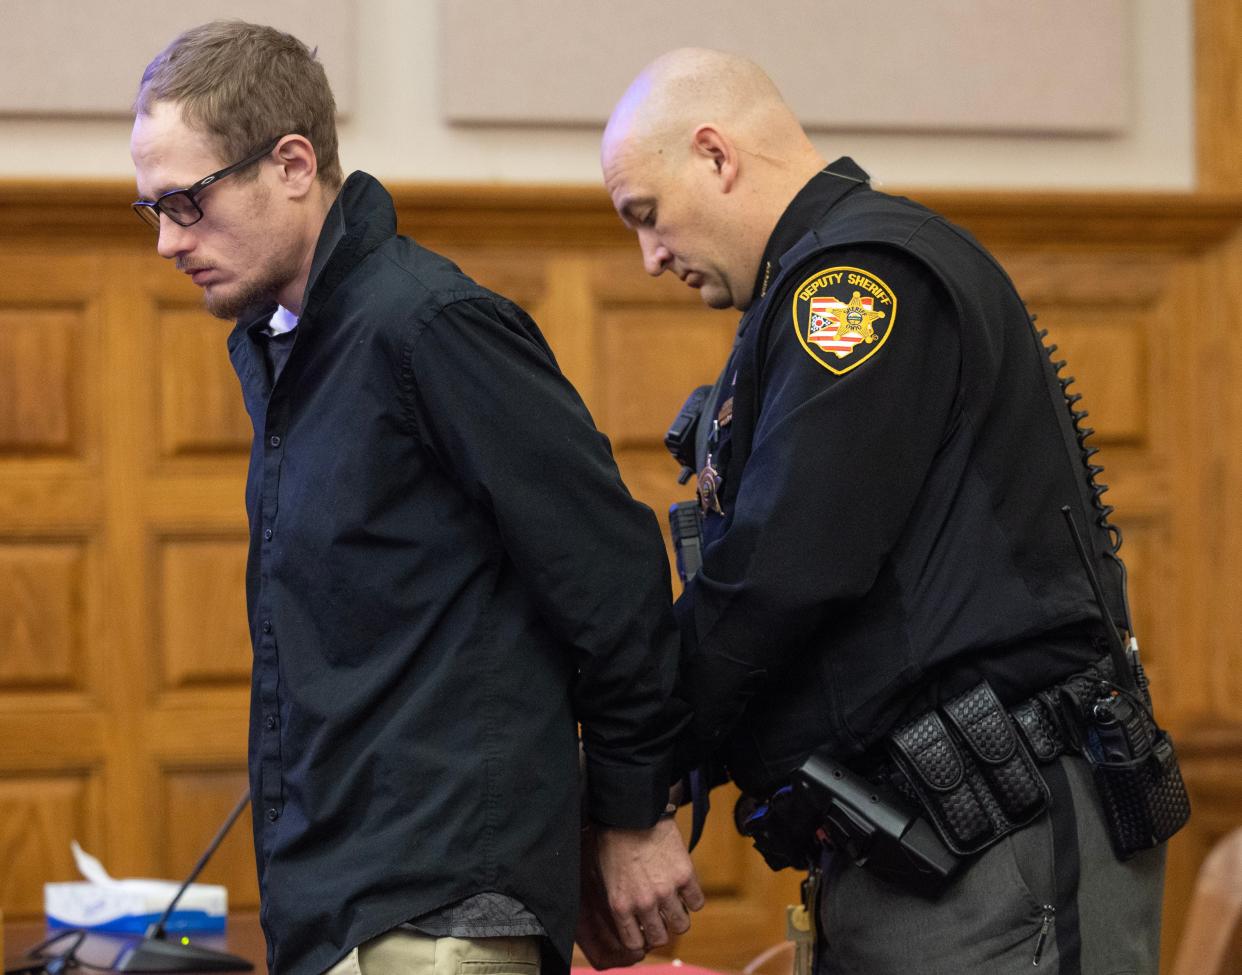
(627, 797)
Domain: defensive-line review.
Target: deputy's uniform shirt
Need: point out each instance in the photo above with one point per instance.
(888, 454)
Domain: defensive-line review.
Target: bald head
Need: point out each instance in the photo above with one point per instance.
(701, 156)
(688, 87)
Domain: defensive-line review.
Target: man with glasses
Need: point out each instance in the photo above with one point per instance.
(430, 619)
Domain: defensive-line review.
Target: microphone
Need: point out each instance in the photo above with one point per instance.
(155, 953)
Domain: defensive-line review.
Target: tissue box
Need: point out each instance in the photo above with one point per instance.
(102, 902)
(130, 906)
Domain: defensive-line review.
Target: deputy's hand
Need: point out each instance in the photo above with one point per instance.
(650, 883)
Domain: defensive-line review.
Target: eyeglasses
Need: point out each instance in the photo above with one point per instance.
(181, 206)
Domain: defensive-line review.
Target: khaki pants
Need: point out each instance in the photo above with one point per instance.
(402, 952)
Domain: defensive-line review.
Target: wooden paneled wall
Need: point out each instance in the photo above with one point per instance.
(123, 650)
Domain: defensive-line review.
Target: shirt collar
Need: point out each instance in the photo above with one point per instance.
(282, 320)
(816, 198)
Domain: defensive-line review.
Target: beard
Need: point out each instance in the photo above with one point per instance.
(260, 290)
(267, 279)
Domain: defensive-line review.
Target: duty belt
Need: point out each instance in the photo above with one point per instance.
(980, 781)
(966, 768)
(970, 766)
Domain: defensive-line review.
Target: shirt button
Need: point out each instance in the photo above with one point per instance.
(273, 815)
(267, 626)
(271, 722)
(267, 534)
(274, 440)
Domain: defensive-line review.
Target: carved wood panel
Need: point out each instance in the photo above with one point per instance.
(201, 637)
(199, 409)
(38, 413)
(195, 800)
(49, 331)
(41, 811)
(42, 615)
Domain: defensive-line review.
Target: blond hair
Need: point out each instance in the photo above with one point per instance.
(246, 85)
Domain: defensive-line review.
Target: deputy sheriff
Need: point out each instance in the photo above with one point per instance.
(882, 468)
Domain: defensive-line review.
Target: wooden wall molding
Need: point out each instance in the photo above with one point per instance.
(531, 215)
(97, 211)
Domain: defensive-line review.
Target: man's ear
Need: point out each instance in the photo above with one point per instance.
(297, 165)
(716, 149)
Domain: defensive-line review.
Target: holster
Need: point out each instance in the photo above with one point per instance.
(1145, 800)
(970, 770)
(1132, 758)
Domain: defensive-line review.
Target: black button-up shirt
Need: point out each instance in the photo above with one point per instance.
(445, 576)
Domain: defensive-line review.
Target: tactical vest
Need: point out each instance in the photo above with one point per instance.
(1022, 610)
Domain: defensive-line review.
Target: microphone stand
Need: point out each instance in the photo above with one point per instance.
(155, 953)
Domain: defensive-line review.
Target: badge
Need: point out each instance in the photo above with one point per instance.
(709, 488)
(842, 316)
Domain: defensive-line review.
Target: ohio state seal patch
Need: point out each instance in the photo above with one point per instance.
(843, 316)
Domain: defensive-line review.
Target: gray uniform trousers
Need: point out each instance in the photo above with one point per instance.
(1106, 917)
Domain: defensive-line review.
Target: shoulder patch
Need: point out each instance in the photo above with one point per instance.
(843, 316)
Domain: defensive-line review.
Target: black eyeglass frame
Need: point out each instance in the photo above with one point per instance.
(149, 211)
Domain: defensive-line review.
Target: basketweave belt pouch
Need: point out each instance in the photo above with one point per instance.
(1134, 763)
(970, 770)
